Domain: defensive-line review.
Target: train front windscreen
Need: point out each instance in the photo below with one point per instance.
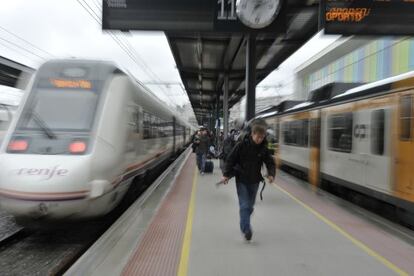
(66, 110)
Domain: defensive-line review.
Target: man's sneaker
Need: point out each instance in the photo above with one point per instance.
(248, 235)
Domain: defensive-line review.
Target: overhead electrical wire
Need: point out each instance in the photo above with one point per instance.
(125, 45)
(15, 50)
(31, 44)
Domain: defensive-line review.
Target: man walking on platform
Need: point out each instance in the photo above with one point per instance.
(245, 162)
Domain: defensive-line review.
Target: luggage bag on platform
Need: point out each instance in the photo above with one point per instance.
(208, 168)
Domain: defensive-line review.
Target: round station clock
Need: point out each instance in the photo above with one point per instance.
(257, 14)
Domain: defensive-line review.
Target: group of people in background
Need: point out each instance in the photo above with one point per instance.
(242, 155)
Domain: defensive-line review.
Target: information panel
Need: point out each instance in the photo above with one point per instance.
(367, 17)
(181, 15)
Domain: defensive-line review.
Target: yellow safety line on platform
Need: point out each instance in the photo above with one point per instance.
(185, 251)
(348, 236)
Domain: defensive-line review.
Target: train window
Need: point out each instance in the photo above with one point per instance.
(295, 133)
(274, 133)
(168, 128)
(137, 117)
(161, 128)
(340, 132)
(305, 133)
(377, 131)
(178, 130)
(147, 125)
(405, 117)
(153, 127)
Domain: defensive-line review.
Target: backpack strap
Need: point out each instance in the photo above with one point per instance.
(261, 192)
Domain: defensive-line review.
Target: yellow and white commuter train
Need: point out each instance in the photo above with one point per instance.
(359, 140)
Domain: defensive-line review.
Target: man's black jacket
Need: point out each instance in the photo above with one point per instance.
(246, 159)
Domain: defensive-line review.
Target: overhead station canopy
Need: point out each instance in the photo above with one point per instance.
(209, 43)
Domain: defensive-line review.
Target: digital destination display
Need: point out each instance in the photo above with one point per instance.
(367, 17)
(61, 83)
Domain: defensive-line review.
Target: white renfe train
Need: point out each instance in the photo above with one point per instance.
(83, 132)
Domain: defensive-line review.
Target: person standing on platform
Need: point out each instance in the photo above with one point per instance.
(245, 162)
(228, 145)
(202, 149)
(196, 140)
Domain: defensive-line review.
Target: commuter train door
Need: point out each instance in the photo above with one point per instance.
(404, 156)
(315, 128)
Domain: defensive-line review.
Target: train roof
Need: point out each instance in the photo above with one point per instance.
(337, 93)
(330, 90)
(377, 87)
(93, 69)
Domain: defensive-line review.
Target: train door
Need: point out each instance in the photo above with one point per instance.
(315, 129)
(376, 157)
(404, 156)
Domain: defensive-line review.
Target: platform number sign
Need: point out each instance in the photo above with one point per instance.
(226, 10)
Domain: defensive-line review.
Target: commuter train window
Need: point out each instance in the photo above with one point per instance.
(276, 128)
(273, 134)
(305, 132)
(340, 132)
(377, 131)
(286, 133)
(405, 117)
(295, 133)
(289, 137)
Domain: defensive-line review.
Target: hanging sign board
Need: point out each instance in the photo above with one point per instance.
(181, 15)
(367, 17)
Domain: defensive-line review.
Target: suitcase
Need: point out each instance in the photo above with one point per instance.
(209, 167)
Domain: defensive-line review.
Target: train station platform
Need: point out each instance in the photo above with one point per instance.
(297, 230)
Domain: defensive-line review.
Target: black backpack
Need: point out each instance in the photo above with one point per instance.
(247, 128)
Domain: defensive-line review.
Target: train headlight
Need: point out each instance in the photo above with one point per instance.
(77, 147)
(18, 145)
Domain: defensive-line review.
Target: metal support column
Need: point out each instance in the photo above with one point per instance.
(218, 118)
(250, 77)
(226, 106)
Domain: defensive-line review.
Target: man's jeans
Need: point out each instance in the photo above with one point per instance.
(201, 161)
(247, 197)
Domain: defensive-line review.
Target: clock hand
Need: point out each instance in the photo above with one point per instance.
(258, 5)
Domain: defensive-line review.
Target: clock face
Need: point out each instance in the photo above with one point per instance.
(257, 13)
